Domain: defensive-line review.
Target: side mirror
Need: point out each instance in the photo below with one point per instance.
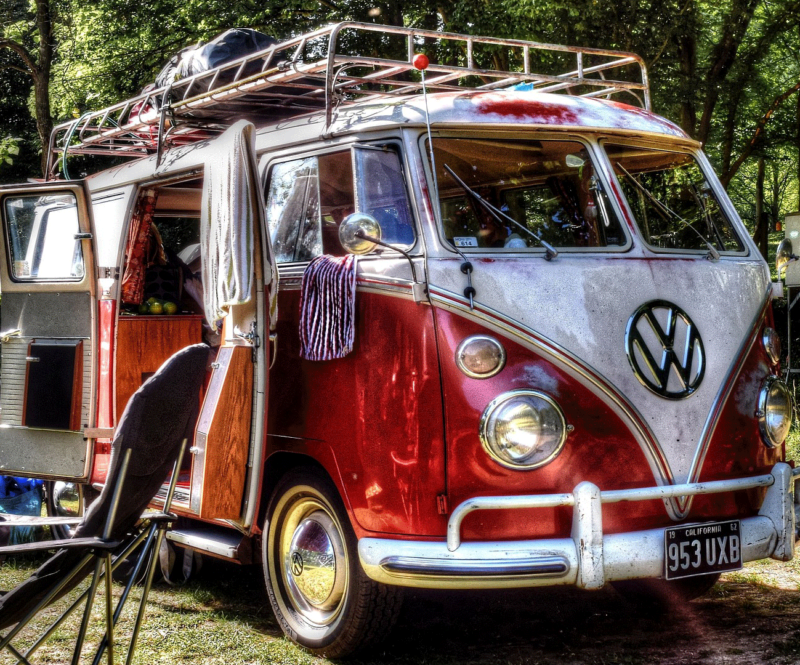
(783, 256)
(353, 229)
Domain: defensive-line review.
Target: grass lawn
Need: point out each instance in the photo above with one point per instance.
(223, 617)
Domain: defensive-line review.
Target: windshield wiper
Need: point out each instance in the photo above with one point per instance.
(499, 215)
(713, 253)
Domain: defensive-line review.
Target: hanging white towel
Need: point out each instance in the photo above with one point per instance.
(228, 215)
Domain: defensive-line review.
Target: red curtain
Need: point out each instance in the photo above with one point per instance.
(136, 256)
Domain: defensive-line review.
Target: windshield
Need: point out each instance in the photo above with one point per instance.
(671, 200)
(510, 194)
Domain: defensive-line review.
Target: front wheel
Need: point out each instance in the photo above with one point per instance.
(321, 596)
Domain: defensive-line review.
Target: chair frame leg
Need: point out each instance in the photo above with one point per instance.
(105, 564)
(117, 561)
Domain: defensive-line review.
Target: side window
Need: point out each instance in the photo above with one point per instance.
(41, 237)
(382, 193)
(306, 201)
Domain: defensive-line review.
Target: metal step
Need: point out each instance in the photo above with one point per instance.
(214, 541)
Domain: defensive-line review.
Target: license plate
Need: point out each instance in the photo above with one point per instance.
(699, 549)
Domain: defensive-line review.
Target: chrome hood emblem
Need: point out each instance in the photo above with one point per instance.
(665, 350)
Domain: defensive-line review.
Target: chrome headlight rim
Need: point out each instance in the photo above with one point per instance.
(480, 338)
(500, 400)
(772, 345)
(763, 396)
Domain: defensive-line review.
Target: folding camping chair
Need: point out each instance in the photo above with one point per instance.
(149, 441)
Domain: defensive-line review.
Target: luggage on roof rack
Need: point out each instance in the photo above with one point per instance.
(323, 70)
(230, 45)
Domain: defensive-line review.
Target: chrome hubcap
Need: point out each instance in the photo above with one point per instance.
(314, 562)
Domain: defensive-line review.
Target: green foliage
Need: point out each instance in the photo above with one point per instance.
(717, 68)
(8, 150)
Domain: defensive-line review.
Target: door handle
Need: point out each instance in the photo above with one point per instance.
(31, 359)
(273, 338)
(8, 334)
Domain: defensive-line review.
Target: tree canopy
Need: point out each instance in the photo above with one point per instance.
(727, 71)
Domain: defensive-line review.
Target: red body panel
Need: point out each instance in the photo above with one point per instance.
(105, 387)
(378, 410)
(601, 449)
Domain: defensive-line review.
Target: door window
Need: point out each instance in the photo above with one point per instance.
(308, 198)
(41, 234)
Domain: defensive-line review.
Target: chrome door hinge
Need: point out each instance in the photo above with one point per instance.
(107, 273)
(251, 336)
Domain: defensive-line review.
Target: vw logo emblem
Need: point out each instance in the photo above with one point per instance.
(665, 350)
(297, 564)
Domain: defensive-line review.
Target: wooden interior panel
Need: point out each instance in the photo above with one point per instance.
(222, 440)
(144, 343)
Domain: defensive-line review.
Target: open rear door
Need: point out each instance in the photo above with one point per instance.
(47, 331)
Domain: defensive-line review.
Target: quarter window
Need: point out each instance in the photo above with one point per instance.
(41, 237)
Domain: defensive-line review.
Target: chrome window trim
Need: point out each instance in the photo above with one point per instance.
(16, 279)
(268, 160)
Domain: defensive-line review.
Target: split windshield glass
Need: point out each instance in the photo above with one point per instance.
(671, 200)
(511, 194)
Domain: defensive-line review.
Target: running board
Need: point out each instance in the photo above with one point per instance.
(214, 541)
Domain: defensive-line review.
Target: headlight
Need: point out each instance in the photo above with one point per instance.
(774, 411)
(523, 429)
(772, 345)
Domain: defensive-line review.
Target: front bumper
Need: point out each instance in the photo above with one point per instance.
(588, 558)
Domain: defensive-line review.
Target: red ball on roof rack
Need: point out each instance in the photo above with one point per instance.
(421, 61)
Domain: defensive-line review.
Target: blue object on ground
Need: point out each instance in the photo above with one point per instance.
(21, 496)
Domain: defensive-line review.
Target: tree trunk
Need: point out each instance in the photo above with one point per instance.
(729, 131)
(41, 79)
(761, 232)
(723, 55)
(688, 58)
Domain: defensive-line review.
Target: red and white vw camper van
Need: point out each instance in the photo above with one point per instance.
(561, 367)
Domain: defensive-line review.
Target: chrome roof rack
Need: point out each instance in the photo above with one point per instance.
(320, 71)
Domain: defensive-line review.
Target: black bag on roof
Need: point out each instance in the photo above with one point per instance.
(230, 45)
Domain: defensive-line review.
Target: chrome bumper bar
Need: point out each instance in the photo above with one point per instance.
(587, 559)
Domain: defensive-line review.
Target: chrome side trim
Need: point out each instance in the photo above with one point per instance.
(553, 566)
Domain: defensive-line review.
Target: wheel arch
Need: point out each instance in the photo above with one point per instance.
(282, 462)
